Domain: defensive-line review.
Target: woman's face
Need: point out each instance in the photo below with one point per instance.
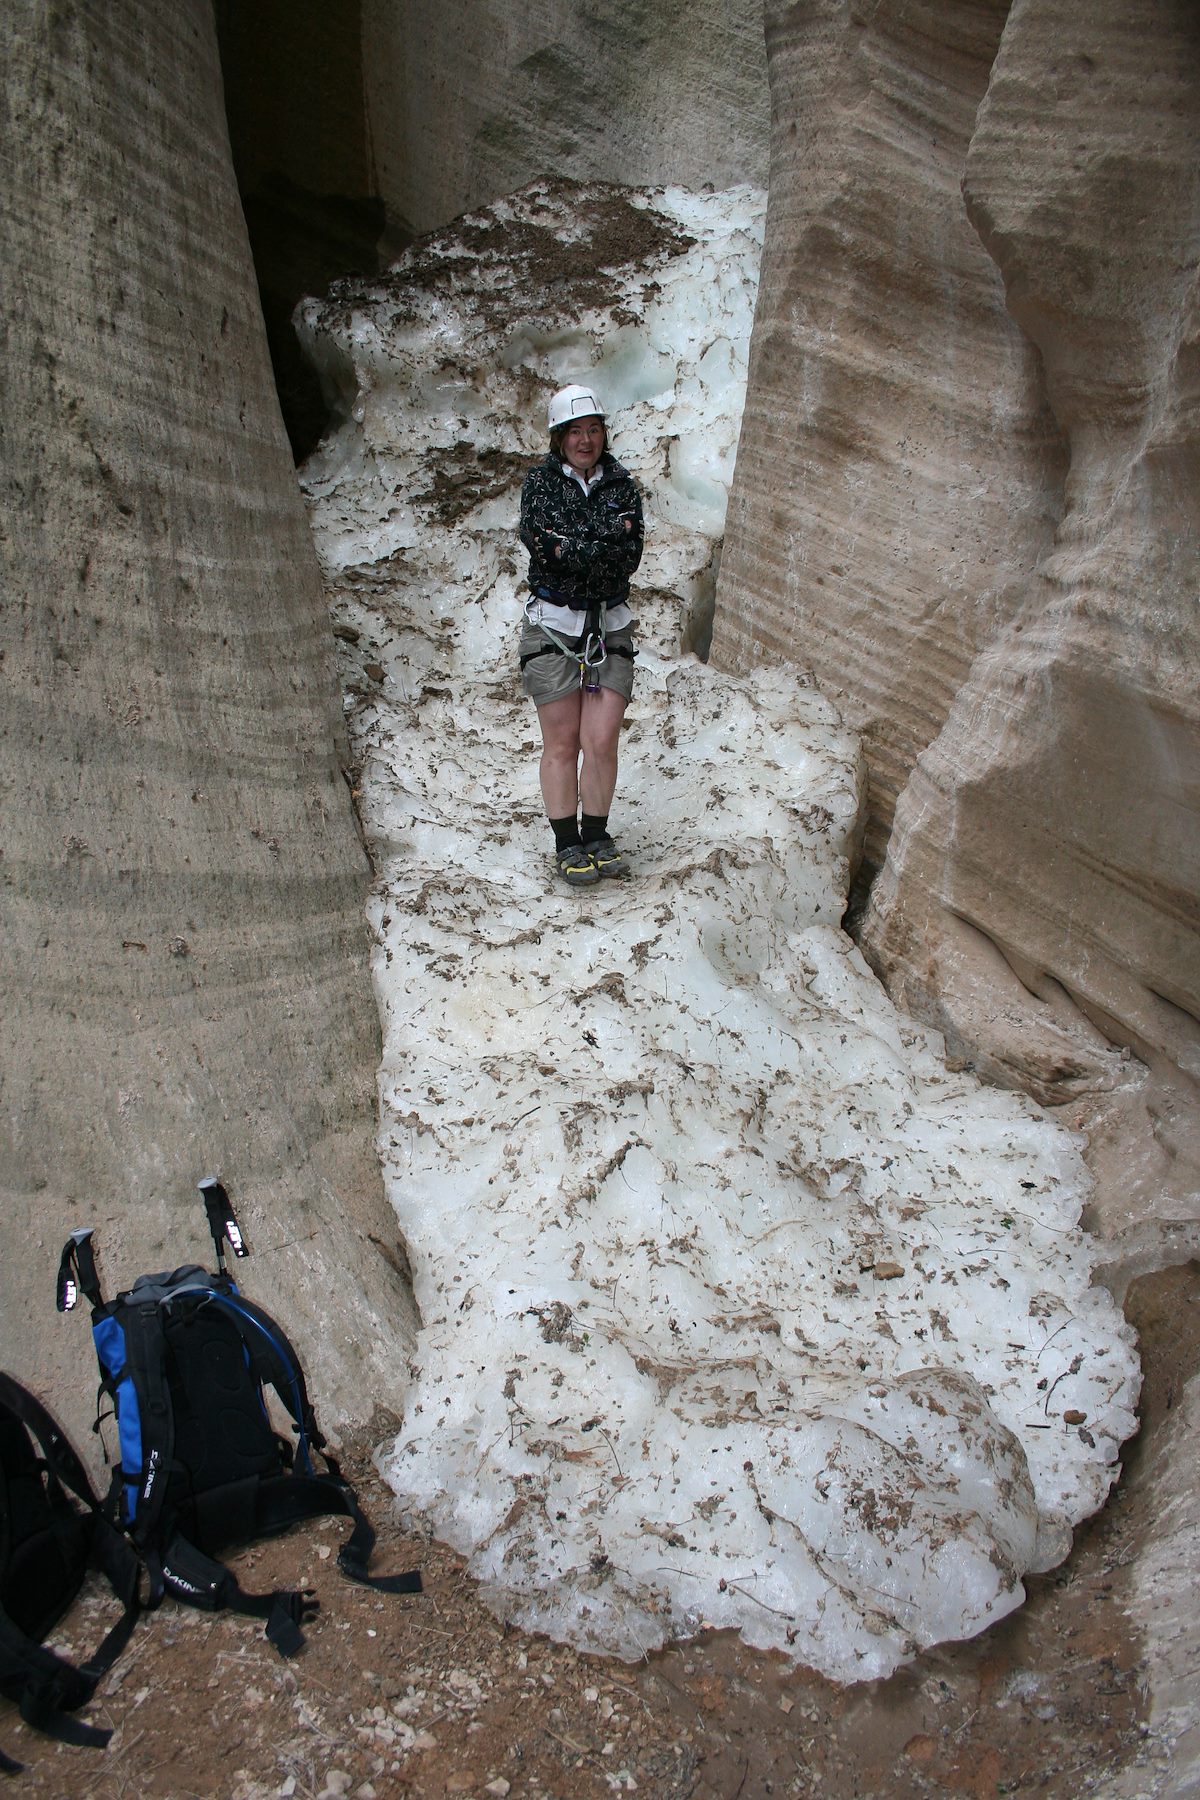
(583, 443)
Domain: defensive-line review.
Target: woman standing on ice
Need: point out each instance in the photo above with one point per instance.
(581, 521)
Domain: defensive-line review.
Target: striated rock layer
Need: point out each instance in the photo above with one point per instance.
(184, 974)
(896, 470)
(965, 497)
(1056, 814)
(470, 99)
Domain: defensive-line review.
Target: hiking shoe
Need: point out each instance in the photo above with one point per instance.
(576, 865)
(607, 857)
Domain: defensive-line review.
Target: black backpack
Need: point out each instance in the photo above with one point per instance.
(186, 1362)
(51, 1533)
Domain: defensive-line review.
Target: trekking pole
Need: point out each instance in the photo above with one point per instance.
(221, 1221)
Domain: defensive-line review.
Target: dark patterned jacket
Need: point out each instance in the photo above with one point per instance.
(598, 554)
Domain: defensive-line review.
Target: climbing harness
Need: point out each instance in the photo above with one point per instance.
(589, 648)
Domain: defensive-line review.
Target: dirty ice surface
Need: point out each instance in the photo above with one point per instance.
(738, 1307)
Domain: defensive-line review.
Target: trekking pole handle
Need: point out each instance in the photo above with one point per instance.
(221, 1221)
(77, 1272)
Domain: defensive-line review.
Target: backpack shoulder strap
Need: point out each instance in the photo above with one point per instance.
(111, 1553)
(276, 1364)
(145, 1366)
(60, 1454)
(45, 1686)
(287, 1499)
(290, 1498)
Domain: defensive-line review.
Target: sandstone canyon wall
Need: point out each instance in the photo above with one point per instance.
(966, 499)
(471, 99)
(354, 126)
(185, 967)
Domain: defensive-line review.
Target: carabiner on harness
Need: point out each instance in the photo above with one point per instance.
(589, 650)
(593, 655)
(594, 652)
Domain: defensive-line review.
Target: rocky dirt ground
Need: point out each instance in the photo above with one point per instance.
(431, 1696)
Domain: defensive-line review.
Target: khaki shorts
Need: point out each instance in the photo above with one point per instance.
(554, 676)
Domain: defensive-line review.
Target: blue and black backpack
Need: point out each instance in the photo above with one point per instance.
(186, 1364)
(52, 1531)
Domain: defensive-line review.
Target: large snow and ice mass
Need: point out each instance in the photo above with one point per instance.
(739, 1308)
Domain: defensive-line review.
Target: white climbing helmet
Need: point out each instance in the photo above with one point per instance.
(573, 403)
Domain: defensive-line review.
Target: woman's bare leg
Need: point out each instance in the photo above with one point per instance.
(599, 736)
(559, 767)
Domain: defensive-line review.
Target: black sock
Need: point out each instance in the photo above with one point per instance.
(593, 827)
(566, 832)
